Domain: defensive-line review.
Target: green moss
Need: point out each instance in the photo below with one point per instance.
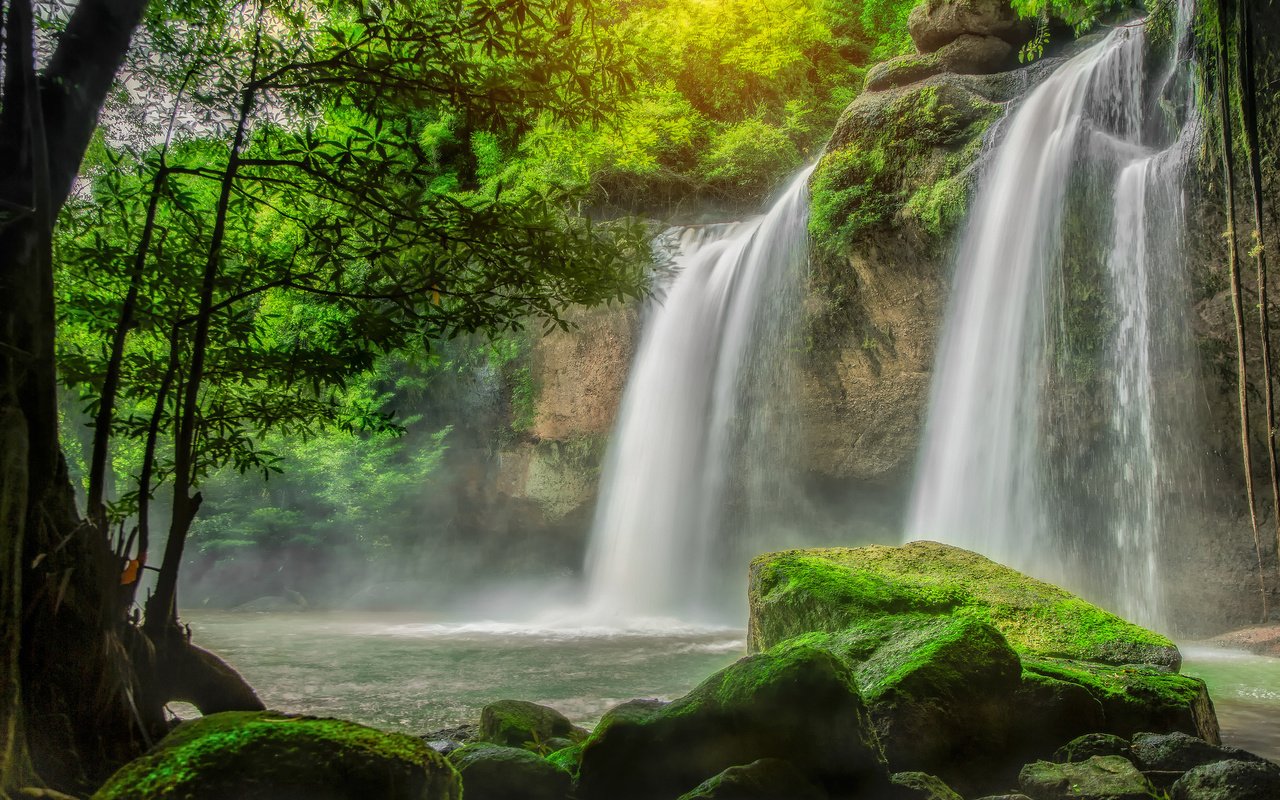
(215, 749)
(800, 591)
(567, 758)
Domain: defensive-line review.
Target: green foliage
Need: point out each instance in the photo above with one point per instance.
(745, 155)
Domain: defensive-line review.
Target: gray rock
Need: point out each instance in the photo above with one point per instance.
(1229, 780)
(901, 71)
(1098, 778)
(973, 54)
(1082, 748)
(764, 779)
(1179, 752)
(493, 772)
(935, 23)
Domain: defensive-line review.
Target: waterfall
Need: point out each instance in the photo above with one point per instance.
(1052, 442)
(690, 419)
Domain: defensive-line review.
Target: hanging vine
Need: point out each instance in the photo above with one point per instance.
(1237, 299)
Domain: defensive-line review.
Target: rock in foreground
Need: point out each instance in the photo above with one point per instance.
(271, 756)
(797, 704)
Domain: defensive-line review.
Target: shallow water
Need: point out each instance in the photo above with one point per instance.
(1246, 693)
(399, 672)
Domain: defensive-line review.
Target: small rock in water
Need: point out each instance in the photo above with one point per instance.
(519, 723)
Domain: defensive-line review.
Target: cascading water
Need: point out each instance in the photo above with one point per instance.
(1049, 444)
(688, 421)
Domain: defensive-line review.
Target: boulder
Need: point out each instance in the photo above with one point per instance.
(1229, 780)
(937, 689)
(797, 703)
(1178, 752)
(901, 71)
(935, 23)
(494, 772)
(1082, 748)
(828, 589)
(971, 54)
(1138, 698)
(519, 723)
(765, 779)
(1097, 778)
(270, 756)
(921, 786)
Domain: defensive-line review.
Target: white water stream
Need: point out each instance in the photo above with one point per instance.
(687, 420)
(1049, 443)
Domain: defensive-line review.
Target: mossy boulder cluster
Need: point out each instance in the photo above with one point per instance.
(969, 668)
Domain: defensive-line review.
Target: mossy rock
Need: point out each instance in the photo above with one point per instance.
(899, 155)
(519, 723)
(901, 71)
(270, 756)
(1082, 748)
(765, 779)
(1097, 778)
(801, 591)
(495, 772)
(1179, 752)
(937, 688)
(936, 23)
(922, 786)
(1138, 698)
(567, 758)
(797, 703)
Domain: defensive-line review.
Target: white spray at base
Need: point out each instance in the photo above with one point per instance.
(1052, 438)
(656, 546)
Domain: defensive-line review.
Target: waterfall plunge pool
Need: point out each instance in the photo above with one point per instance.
(400, 672)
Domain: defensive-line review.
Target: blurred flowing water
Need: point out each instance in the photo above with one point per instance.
(1057, 438)
(696, 423)
(1246, 693)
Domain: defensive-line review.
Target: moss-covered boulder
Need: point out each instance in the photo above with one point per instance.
(800, 591)
(272, 756)
(1097, 778)
(765, 779)
(937, 689)
(971, 54)
(798, 703)
(1137, 697)
(951, 654)
(519, 723)
(495, 772)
